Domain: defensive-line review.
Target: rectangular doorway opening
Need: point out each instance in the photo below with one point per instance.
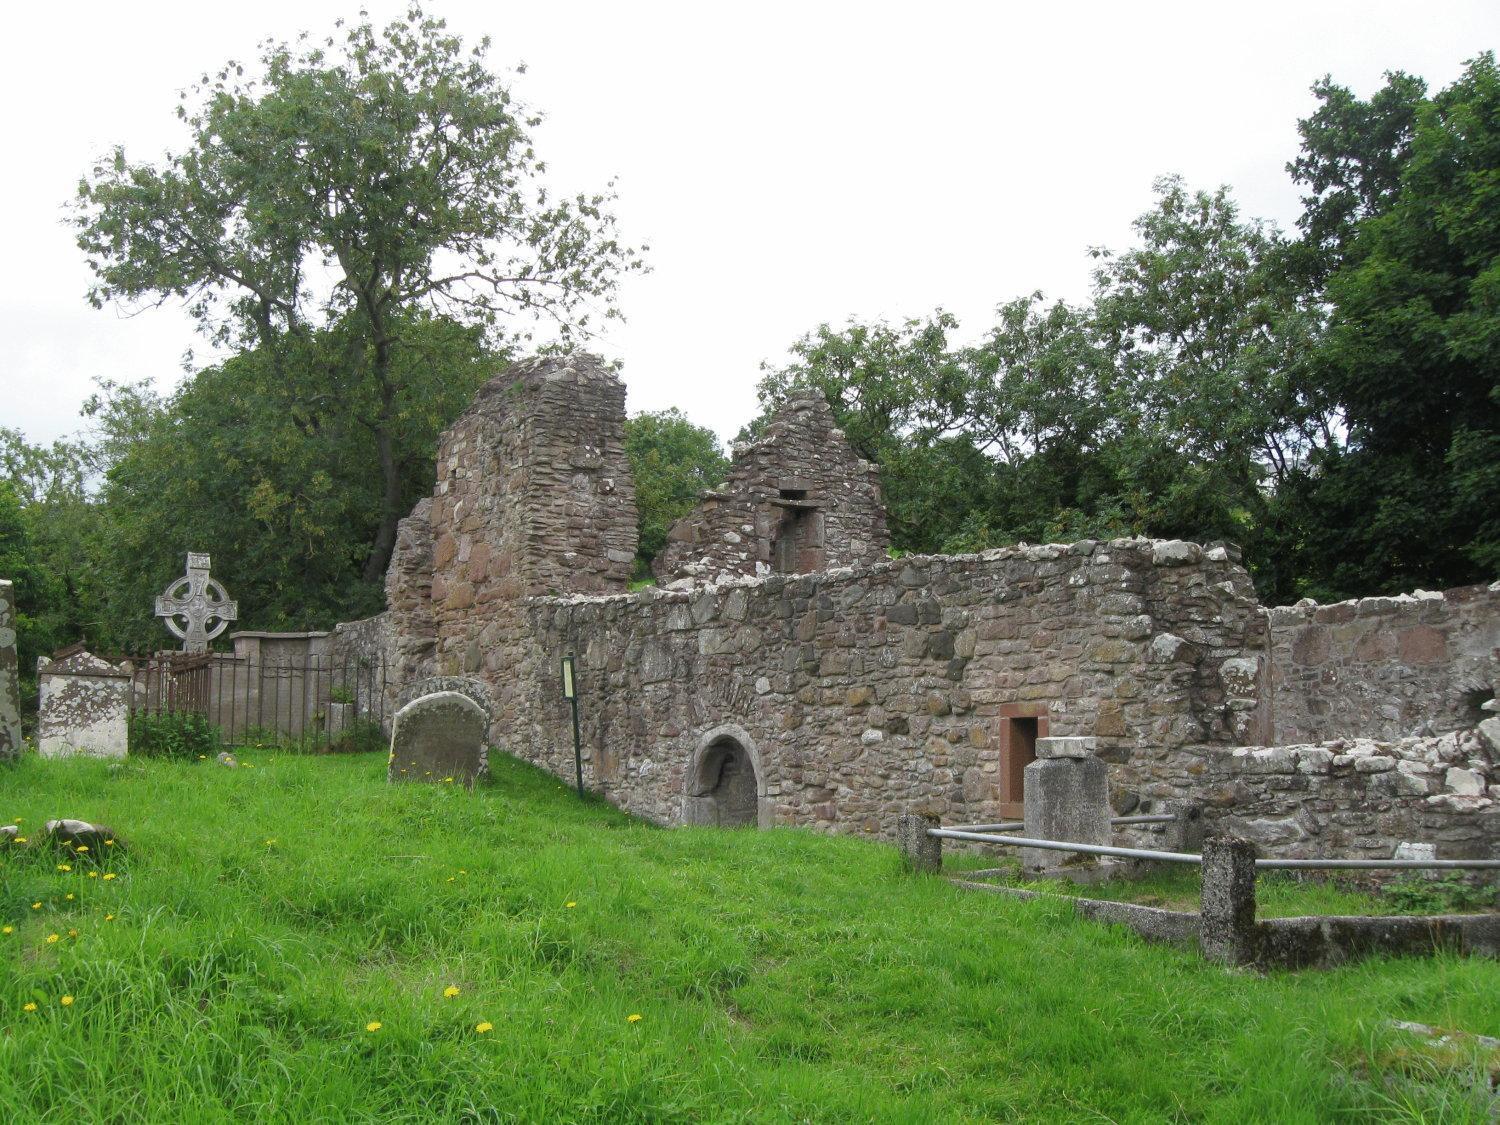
(1018, 735)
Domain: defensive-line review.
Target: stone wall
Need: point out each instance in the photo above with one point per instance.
(10, 676)
(1384, 668)
(866, 692)
(842, 696)
(797, 500)
(1358, 797)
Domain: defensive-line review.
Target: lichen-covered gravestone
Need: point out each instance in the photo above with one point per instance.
(439, 738)
(85, 708)
(10, 672)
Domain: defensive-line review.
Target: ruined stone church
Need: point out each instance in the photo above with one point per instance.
(786, 671)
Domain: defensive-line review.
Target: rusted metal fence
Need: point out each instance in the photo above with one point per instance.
(307, 703)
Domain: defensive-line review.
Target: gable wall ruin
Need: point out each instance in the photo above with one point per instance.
(862, 691)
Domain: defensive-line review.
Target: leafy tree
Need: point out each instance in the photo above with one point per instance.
(1413, 358)
(672, 461)
(325, 209)
(247, 464)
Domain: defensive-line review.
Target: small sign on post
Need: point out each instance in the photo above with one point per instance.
(570, 693)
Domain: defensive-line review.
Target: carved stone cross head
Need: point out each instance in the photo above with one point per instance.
(196, 599)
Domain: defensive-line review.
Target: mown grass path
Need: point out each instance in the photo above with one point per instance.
(265, 917)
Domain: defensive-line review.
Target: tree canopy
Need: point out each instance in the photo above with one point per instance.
(329, 206)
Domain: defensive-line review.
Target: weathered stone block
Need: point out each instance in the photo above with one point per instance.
(1227, 932)
(922, 853)
(1065, 799)
(84, 709)
(1057, 747)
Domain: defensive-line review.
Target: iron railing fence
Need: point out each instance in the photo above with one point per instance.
(303, 702)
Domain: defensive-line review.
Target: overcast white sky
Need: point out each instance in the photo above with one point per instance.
(788, 163)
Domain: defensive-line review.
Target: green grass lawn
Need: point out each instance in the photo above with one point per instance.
(265, 918)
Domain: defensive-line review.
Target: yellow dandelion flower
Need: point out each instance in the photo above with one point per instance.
(82, 848)
(634, 1017)
(271, 842)
(109, 843)
(109, 917)
(67, 1001)
(7, 929)
(484, 1026)
(72, 933)
(451, 991)
(447, 779)
(111, 875)
(570, 905)
(461, 871)
(29, 1006)
(93, 874)
(51, 938)
(69, 896)
(450, 878)
(20, 839)
(373, 1026)
(36, 906)
(64, 867)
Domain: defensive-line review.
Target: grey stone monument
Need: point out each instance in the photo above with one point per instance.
(10, 676)
(439, 738)
(196, 599)
(1066, 797)
(84, 709)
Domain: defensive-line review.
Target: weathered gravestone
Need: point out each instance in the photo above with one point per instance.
(1066, 797)
(85, 707)
(10, 673)
(439, 738)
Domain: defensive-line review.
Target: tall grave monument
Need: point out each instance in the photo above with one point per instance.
(10, 673)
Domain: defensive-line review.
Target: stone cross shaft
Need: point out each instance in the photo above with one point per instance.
(197, 599)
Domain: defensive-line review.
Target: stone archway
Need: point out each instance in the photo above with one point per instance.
(726, 787)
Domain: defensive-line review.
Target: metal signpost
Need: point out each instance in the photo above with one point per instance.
(570, 693)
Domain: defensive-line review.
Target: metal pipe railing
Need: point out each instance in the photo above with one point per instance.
(1065, 846)
(1144, 818)
(1189, 857)
(1368, 864)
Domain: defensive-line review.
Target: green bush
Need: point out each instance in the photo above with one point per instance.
(1439, 896)
(363, 736)
(172, 734)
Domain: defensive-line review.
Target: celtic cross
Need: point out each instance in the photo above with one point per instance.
(197, 599)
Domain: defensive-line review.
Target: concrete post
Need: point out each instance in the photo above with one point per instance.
(10, 676)
(1226, 921)
(1185, 834)
(923, 853)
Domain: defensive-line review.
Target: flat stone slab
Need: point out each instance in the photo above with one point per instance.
(1064, 747)
(439, 738)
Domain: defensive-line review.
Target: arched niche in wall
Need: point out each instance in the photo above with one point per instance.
(726, 786)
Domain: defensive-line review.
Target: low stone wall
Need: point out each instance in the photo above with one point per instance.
(1383, 668)
(863, 693)
(1357, 798)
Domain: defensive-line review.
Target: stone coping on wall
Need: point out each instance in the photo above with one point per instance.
(1308, 610)
(1164, 553)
